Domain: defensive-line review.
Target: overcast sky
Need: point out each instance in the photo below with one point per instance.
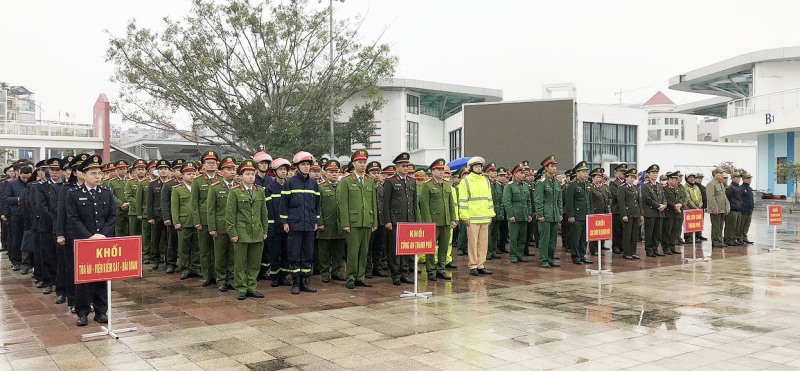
(57, 48)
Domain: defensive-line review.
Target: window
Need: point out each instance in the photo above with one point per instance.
(781, 179)
(609, 143)
(671, 121)
(652, 121)
(412, 104)
(412, 135)
(455, 144)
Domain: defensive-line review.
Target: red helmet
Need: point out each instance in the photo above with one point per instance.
(302, 156)
(261, 156)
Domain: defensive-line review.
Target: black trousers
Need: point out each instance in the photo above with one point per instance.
(667, 238)
(278, 253)
(4, 234)
(399, 266)
(172, 246)
(15, 230)
(652, 233)
(616, 232)
(48, 258)
(376, 255)
(36, 256)
(156, 235)
(300, 252)
(61, 270)
(88, 294)
(69, 272)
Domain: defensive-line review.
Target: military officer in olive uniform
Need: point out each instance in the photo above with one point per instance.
(247, 222)
(436, 206)
(166, 213)
(519, 211)
(217, 206)
(630, 213)
(376, 257)
(181, 205)
(601, 201)
(673, 215)
(653, 206)
(577, 205)
(330, 237)
(399, 205)
(200, 187)
(153, 212)
(90, 214)
(616, 219)
(359, 217)
(549, 210)
(490, 171)
(117, 184)
(134, 200)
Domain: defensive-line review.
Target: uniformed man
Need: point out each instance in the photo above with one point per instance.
(200, 187)
(276, 237)
(747, 209)
(653, 206)
(146, 226)
(399, 205)
(631, 214)
(263, 179)
(153, 214)
(436, 206)
(181, 207)
(58, 230)
(519, 211)
(699, 182)
(247, 222)
(694, 200)
(217, 205)
(577, 205)
(358, 213)
(549, 210)
(733, 219)
(133, 195)
(171, 256)
(718, 206)
(377, 265)
(116, 182)
(490, 170)
(616, 219)
(476, 209)
(503, 179)
(673, 215)
(47, 218)
(330, 237)
(90, 214)
(601, 202)
(301, 200)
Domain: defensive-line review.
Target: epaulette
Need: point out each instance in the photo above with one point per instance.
(104, 188)
(179, 185)
(153, 180)
(198, 175)
(215, 183)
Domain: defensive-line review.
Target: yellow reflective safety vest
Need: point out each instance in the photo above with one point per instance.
(475, 199)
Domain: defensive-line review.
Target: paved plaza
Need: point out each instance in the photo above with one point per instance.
(737, 312)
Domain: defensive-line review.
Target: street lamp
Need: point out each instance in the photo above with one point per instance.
(330, 15)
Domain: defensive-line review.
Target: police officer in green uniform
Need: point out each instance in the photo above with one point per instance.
(578, 204)
(171, 256)
(247, 222)
(117, 185)
(549, 210)
(181, 208)
(436, 205)
(519, 211)
(153, 212)
(217, 206)
(200, 187)
(133, 197)
(359, 210)
(330, 237)
(497, 198)
(630, 214)
(502, 179)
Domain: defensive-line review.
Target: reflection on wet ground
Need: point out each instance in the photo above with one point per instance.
(738, 311)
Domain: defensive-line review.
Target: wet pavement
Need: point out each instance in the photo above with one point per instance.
(738, 311)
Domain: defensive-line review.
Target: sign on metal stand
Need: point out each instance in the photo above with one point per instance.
(108, 259)
(775, 215)
(415, 239)
(598, 228)
(693, 221)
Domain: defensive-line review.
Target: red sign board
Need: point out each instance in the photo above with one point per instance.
(775, 213)
(598, 227)
(693, 220)
(107, 259)
(415, 238)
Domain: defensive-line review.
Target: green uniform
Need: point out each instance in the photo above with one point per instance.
(200, 187)
(548, 205)
(436, 205)
(146, 227)
(358, 201)
(223, 248)
(246, 218)
(517, 205)
(117, 186)
(673, 220)
(134, 197)
(578, 204)
(181, 208)
(331, 241)
(630, 207)
(494, 228)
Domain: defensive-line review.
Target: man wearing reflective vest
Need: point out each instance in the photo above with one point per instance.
(476, 210)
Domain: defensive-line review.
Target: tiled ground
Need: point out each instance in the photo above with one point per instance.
(737, 312)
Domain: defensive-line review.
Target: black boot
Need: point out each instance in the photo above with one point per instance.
(305, 287)
(295, 285)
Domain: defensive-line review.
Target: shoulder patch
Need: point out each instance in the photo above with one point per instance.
(179, 185)
(215, 183)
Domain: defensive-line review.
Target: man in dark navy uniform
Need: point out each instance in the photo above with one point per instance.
(399, 205)
(90, 214)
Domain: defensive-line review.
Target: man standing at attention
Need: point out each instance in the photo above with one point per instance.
(616, 220)
(476, 210)
(436, 206)
(578, 205)
(549, 209)
(518, 210)
(359, 217)
(200, 187)
(399, 206)
(718, 206)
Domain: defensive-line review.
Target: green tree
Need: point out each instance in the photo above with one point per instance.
(791, 172)
(249, 75)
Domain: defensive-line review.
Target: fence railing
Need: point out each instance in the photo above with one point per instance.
(762, 104)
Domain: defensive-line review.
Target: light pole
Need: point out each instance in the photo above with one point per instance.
(330, 17)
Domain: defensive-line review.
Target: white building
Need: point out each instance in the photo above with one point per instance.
(758, 96)
(665, 124)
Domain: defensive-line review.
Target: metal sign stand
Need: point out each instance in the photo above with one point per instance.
(599, 270)
(416, 294)
(694, 258)
(107, 330)
(774, 240)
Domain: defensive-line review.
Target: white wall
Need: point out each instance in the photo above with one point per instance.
(613, 115)
(692, 157)
(770, 77)
(761, 180)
